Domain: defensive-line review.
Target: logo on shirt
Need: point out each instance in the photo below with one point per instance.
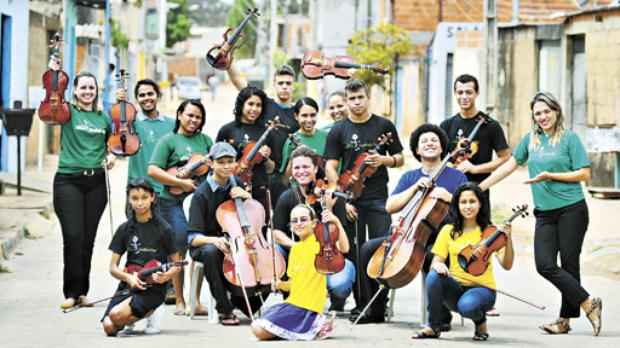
(134, 245)
(87, 127)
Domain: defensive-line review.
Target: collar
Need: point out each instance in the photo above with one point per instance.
(142, 117)
(214, 184)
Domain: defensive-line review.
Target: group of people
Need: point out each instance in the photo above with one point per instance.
(297, 158)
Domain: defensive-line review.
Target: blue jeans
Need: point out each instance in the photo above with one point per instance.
(470, 302)
(172, 212)
(339, 285)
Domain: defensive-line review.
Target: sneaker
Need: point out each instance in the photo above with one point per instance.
(153, 322)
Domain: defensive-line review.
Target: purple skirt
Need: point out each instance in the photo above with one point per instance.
(292, 323)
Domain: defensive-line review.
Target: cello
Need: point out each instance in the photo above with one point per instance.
(352, 180)
(221, 56)
(315, 66)
(401, 256)
(54, 110)
(124, 141)
(251, 262)
(329, 259)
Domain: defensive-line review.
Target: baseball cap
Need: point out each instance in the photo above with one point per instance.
(222, 149)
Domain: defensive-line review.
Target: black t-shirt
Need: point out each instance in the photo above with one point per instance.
(143, 242)
(203, 207)
(239, 134)
(490, 137)
(279, 135)
(288, 200)
(347, 139)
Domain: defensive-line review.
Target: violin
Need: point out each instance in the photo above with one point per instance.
(196, 167)
(54, 110)
(250, 155)
(315, 66)
(145, 273)
(401, 256)
(474, 259)
(124, 141)
(320, 186)
(352, 180)
(467, 147)
(251, 261)
(221, 56)
(329, 259)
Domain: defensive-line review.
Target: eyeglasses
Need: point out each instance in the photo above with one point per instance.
(300, 220)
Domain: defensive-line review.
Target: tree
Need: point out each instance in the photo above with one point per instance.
(235, 16)
(379, 45)
(178, 23)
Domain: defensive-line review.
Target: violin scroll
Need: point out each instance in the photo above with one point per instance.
(221, 56)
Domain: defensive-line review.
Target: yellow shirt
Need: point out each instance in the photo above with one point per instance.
(445, 245)
(308, 287)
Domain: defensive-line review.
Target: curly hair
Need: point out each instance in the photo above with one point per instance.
(454, 213)
(244, 95)
(425, 128)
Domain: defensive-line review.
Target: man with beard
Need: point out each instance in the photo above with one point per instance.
(281, 106)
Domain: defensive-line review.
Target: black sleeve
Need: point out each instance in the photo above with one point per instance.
(445, 125)
(197, 211)
(118, 244)
(498, 139)
(395, 146)
(167, 242)
(222, 134)
(282, 211)
(333, 148)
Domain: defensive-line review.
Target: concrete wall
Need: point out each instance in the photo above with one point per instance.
(18, 11)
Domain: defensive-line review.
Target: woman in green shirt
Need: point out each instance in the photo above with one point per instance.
(79, 185)
(557, 163)
(174, 150)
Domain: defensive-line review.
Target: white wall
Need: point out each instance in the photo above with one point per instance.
(18, 10)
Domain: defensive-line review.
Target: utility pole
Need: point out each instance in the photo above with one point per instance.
(490, 54)
(273, 39)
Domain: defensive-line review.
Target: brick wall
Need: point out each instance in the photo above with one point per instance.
(602, 57)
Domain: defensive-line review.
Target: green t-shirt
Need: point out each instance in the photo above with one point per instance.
(174, 149)
(83, 141)
(316, 142)
(567, 155)
(150, 132)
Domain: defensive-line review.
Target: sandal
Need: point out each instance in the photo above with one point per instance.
(201, 311)
(559, 326)
(480, 336)
(426, 332)
(594, 315)
(229, 319)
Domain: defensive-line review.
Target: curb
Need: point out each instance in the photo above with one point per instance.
(8, 246)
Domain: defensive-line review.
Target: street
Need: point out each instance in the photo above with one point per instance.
(30, 296)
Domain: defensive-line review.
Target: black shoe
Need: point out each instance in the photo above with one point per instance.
(356, 311)
(445, 327)
(367, 319)
(337, 305)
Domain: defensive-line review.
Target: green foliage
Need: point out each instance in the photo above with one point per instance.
(178, 23)
(119, 39)
(210, 13)
(378, 45)
(247, 43)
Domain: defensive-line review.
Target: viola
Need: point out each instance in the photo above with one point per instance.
(54, 110)
(315, 66)
(467, 147)
(352, 180)
(474, 259)
(145, 273)
(251, 262)
(124, 141)
(197, 166)
(401, 256)
(250, 155)
(221, 56)
(329, 259)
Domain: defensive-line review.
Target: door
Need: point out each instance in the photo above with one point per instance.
(579, 97)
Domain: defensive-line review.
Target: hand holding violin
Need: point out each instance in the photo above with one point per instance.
(135, 282)
(187, 185)
(110, 160)
(467, 167)
(376, 160)
(265, 151)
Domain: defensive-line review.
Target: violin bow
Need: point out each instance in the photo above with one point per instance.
(272, 244)
(515, 297)
(107, 184)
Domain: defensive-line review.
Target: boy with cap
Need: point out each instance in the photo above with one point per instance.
(205, 237)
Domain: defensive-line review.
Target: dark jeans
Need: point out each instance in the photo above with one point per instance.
(79, 201)
(172, 212)
(470, 302)
(562, 231)
(213, 259)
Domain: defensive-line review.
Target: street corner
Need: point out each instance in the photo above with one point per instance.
(40, 224)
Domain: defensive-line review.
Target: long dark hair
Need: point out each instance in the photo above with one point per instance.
(181, 108)
(75, 83)
(244, 95)
(484, 214)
